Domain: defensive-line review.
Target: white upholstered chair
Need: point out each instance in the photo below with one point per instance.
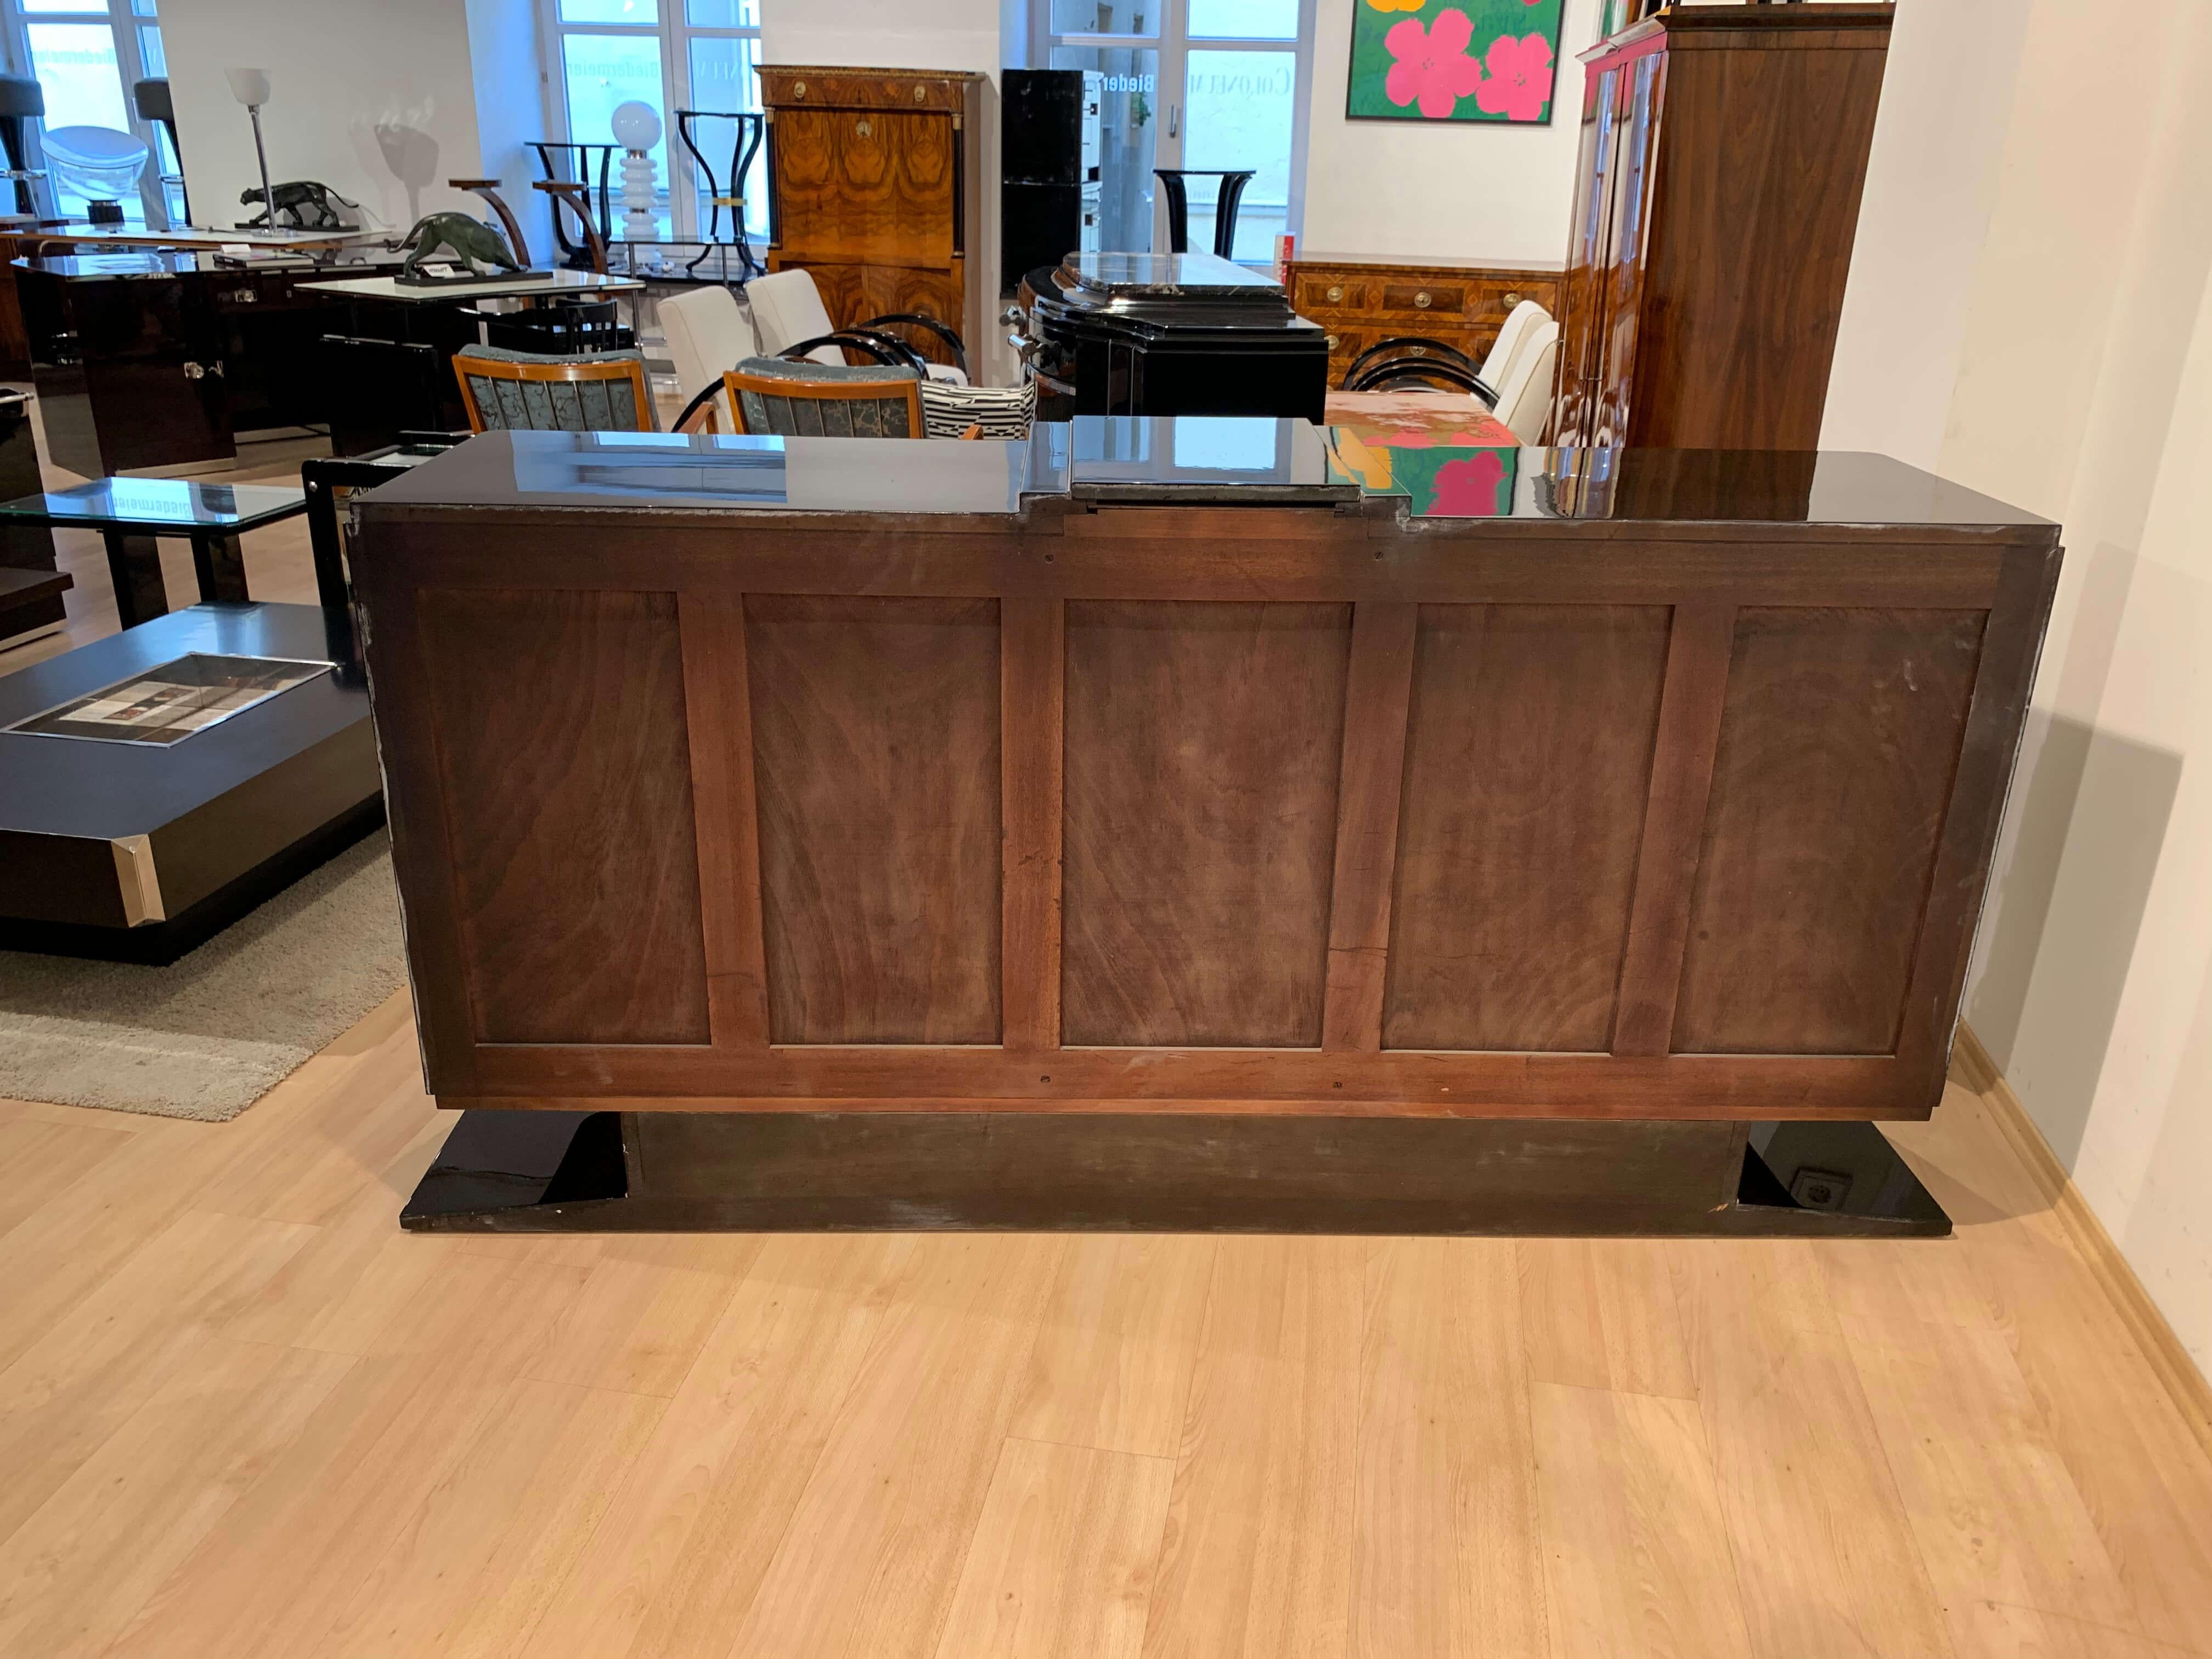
(1524, 397)
(708, 333)
(787, 309)
(1498, 363)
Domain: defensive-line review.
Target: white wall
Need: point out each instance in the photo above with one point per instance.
(1946, 93)
(372, 97)
(2065, 363)
(510, 101)
(1499, 194)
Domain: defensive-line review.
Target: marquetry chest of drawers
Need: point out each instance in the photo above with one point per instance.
(1361, 303)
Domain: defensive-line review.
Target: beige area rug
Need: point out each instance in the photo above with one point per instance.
(210, 1034)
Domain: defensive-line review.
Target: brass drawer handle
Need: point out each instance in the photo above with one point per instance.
(1511, 301)
(798, 89)
(1336, 293)
(921, 94)
(862, 128)
(1332, 342)
(1421, 300)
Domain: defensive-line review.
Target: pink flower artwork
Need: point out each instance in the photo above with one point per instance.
(1520, 83)
(1432, 67)
(1468, 488)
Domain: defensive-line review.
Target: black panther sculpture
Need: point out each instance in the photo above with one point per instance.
(303, 205)
(475, 243)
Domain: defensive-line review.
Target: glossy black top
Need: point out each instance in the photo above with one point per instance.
(1204, 275)
(173, 506)
(1192, 459)
(104, 790)
(143, 264)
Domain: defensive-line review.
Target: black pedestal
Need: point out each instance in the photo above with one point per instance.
(532, 1172)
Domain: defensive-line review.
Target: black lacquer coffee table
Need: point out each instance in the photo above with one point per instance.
(132, 514)
(158, 783)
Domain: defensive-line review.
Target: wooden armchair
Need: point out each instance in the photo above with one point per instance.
(815, 400)
(523, 391)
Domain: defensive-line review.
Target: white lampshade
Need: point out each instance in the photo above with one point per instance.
(248, 86)
(636, 125)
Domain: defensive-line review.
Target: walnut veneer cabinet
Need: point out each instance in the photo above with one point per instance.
(1362, 303)
(956, 834)
(875, 186)
(1723, 155)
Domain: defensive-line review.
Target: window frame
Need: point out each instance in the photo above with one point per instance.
(1172, 39)
(679, 184)
(123, 21)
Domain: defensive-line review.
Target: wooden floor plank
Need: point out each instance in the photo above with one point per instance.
(1639, 1565)
(676, 1564)
(114, 1351)
(1258, 1558)
(1112, 1365)
(1992, 1630)
(1600, 1313)
(1062, 1559)
(1996, 1515)
(647, 1311)
(43, 1160)
(1826, 1558)
(469, 1569)
(274, 1577)
(77, 1569)
(874, 1548)
(1448, 1554)
(2143, 1474)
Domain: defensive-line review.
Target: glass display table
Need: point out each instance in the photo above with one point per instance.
(132, 514)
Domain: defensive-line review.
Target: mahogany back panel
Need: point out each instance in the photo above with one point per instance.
(1838, 748)
(561, 748)
(875, 727)
(1201, 755)
(1528, 764)
(1149, 809)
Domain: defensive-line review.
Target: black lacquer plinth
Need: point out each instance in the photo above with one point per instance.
(549, 1171)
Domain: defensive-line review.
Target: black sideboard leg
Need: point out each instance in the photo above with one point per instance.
(134, 565)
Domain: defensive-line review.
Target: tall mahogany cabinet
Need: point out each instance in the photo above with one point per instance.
(1723, 154)
(875, 186)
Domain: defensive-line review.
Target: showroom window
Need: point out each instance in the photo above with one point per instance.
(1192, 84)
(671, 54)
(86, 55)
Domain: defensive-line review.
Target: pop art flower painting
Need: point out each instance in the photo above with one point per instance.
(1454, 60)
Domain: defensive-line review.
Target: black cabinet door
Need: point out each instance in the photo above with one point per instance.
(151, 351)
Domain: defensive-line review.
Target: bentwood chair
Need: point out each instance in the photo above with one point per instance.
(524, 392)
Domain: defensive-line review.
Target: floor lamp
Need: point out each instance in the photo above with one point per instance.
(251, 88)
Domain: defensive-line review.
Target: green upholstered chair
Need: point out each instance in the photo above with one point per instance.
(508, 391)
(805, 399)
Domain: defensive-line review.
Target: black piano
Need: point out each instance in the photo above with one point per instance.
(1166, 334)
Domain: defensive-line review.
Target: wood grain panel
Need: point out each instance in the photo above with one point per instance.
(876, 746)
(1376, 700)
(1203, 747)
(1528, 762)
(562, 742)
(1032, 679)
(721, 738)
(1838, 744)
(859, 184)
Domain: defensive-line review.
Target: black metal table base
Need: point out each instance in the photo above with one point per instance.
(555, 1171)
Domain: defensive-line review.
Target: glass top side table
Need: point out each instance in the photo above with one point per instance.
(132, 514)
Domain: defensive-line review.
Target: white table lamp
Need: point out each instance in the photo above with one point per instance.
(637, 129)
(251, 88)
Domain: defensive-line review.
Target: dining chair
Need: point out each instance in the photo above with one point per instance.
(807, 399)
(788, 311)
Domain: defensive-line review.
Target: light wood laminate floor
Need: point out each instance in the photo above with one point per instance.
(242, 1416)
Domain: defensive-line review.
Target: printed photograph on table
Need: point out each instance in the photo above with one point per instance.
(1454, 60)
